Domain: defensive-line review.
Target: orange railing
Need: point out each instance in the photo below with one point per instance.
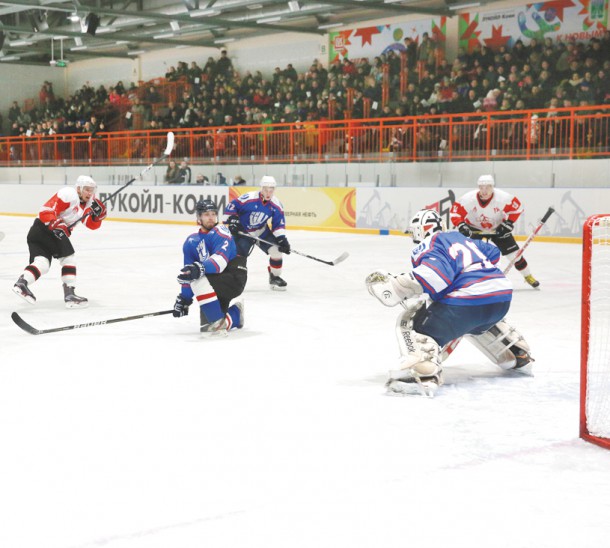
(561, 133)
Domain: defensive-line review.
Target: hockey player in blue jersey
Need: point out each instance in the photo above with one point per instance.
(213, 273)
(469, 296)
(250, 214)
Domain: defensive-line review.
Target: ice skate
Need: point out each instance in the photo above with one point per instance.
(276, 282)
(532, 281)
(413, 386)
(240, 307)
(72, 300)
(214, 329)
(21, 288)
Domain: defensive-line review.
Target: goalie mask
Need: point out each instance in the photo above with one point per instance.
(425, 223)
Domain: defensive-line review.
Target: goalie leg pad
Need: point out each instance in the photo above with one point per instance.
(420, 363)
(503, 345)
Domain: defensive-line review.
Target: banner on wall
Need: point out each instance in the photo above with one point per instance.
(372, 41)
(560, 20)
(393, 208)
(313, 207)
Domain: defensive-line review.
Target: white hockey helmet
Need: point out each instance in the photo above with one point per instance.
(486, 180)
(85, 181)
(425, 223)
(268, 180)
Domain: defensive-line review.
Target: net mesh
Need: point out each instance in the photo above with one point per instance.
(598, 362)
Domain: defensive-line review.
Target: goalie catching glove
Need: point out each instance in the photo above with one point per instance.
(391, 290)
(59, 229)
(98, 210)
(190, 273)
(181, 306)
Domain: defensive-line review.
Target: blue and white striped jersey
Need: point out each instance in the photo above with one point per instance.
(457, 270)
(254, 212)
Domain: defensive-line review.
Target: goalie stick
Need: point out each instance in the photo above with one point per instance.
(168, 150)
(451, 345)
(338, 260)
(33, 331)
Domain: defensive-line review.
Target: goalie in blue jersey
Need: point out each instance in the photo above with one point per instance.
(469, 296)
(213, 274)
(250, 215)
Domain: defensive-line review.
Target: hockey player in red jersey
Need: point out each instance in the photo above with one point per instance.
(490, 210)
(50, 234)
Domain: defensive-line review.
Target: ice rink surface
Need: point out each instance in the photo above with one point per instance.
(143, 435)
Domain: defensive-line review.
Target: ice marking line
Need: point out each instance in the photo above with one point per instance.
(105, 541)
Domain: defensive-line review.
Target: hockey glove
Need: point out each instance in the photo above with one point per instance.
(98, 210)
(505, 228)
(234, 225)
(190, 273)
(283, 245)
(181, 306)
(465, 229)
(59, 229)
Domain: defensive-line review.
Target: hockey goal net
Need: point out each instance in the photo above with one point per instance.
(595, 349)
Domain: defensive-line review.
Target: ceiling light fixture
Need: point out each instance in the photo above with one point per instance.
(136, 52)
(174, 25)
(204, 13)
(224, 40)
(10, 58)
(268, 20)
(16, 43)
(464, 6)
(330, 26)
(293, 5)
(164, 35)
(78, 48)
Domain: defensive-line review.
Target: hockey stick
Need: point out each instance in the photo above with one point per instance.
(451, 345)
(527, 242)
(338, 260)
(33, 331)
(168, 150)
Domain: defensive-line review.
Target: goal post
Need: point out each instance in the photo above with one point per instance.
(595, 329)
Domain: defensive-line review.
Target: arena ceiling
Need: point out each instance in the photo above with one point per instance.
(41, 32)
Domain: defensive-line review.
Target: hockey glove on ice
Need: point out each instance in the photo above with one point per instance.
(59, 229)
(98, 210)
(234, 225)
(190, 273)
(465, 229)
(283, 245)
(505, 228)
(181, 306)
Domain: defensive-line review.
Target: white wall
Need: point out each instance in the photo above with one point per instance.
(520, 174)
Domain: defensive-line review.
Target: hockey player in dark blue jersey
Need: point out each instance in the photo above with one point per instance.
(213, 273)
(250, 214)
(469, 296)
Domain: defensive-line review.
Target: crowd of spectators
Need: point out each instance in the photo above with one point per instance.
(525, 77)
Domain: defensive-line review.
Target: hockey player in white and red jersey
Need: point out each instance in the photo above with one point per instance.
(490, 210)
(469, 296)
(50, 234)
(250, 214)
